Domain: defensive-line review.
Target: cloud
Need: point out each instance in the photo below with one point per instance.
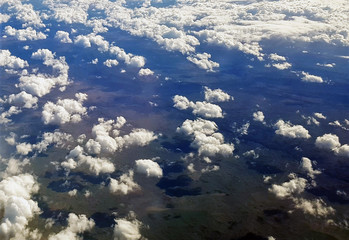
(4, 18)
(23, 99)
(110, 62)
(127, 229)
(311, 78)
(205, 138)
(276, 57)
(128, 58)
(26, 14)
(258, 116)
(148, 167)
(316, 207)
(86, 41)
(320, 115)
(105, 143)
(77, 158)
(124, 185)
(24, 34)
(77, 224)
(64, 111)
(139, 137)
(41, 84)
(307, 167)
(63, 37)
(203, 109)
(145, 72)
(9, 61)
(282, 66)
(292, 131)
(17, 206)
(328, 142)
(202, 61)
(288, 189)
(216, 95)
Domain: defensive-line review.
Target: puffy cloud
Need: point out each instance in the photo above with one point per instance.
(9, 61)
(203, 109)
(205, 138)
(319, 115)
(26, 14)
(4, 18)
(207, 110)
(127, 229)
(41, 84)
(78, 159)
(149, 167)
(145, 72)
(23, 99)
(58, 139)
(139, 137)
(216, 95)
(4, 116)
(181, 102)
(111, 62)
(87, 40)
(124, 185)
(24, 34)
(17, 206)
(64, 111)
(307, 167)
(128, 58)
(288, 189)
(316, 207)
(63, 37)
(311, 78)
(328, 142)
(276, 57)
(292, 131)
(202, 60)
(331, 142)
(206, 22)
(77, 224)
(258, 116)
(282, 66)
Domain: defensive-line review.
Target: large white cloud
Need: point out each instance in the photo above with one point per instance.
(258, 116)
(127, 229)
(23, 99)
(331, 142)
(216, 95)
(17, 206)
(107, 139)
(149, 167)
(77, 224)
(64, 111)
(77, 158)
(124, 185)
(42, 84)
(9, 61)
(203, 109)
(205, 137)
(292, 131)
(24, 34)
(63, 37)
(311, 78)
(316, 207)
(288, 189)
(202, 60)
(328, 142)
(307, 166)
